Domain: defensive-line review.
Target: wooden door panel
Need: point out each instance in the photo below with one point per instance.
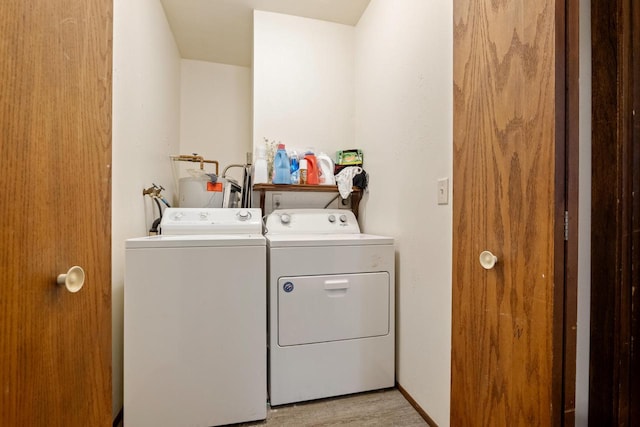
(504, 192)
(55, 157)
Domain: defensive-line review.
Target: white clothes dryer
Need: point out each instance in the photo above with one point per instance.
(331, 306)
(194, 320)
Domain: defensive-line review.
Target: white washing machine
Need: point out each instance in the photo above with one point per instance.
(195, 320)
(331, 306)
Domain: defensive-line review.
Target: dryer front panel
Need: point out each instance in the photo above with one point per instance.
(315, 309)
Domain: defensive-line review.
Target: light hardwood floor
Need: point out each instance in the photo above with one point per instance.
(378, 408)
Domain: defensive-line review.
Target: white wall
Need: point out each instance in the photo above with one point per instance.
(584, 214)
(404, 105)
(146, 102)
(303, 82)
(215, 113)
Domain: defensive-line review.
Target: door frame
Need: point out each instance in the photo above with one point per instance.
(569, 231)
(614, 371)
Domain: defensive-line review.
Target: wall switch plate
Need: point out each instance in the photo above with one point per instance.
(443, 191)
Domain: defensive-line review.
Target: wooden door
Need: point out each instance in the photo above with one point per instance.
(55, 158)
(508, 152)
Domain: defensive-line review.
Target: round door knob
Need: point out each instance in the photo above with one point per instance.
(73, 280)
(488, 260)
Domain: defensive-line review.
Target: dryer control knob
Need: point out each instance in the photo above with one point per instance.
(332, 218)
(244, 215)
(343, 218)
(285, 218)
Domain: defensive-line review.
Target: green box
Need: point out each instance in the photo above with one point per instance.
(350, 157)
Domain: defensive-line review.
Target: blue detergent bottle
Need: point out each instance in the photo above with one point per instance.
(281, 171)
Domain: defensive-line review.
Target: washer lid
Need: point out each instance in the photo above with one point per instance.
(190, 241)
(307, 240)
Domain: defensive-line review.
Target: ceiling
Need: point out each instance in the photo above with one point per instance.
(222, 30)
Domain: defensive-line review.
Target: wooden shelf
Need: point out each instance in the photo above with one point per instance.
(356, 195)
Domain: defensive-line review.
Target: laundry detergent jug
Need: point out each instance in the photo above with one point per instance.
(312, 168)
(281, 168)
(325, 170)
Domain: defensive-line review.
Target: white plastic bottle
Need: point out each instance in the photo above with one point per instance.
(260, 172)
(325, 167)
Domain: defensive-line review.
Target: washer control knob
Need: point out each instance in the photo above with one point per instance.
(285, 218)
(343, 218)
(332, 218)
(244, 215)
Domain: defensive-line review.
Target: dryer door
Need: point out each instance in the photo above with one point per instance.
(313, 309)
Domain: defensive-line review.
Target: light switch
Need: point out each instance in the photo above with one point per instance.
(443, 191)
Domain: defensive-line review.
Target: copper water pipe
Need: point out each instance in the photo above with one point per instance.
(224, 171)
(196, 158)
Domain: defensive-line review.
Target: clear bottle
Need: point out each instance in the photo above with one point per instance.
(260, 169)
(281, 168)
(295, 168)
